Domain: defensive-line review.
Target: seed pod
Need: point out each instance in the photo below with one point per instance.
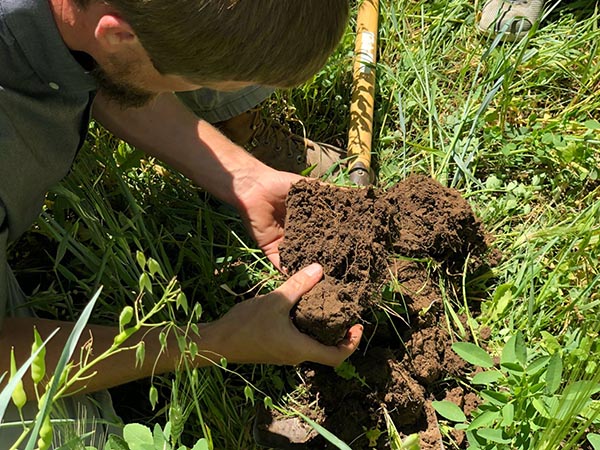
(125, 317)
(45, 436)
(124, 335)
(38, 366)
(64, 375)
(19, 397)
(42, 398)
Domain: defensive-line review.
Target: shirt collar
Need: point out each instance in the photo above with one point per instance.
(33, 26)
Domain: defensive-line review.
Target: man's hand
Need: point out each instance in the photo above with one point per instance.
(262, 206)
(260, 330)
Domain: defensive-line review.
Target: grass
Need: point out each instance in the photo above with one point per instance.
(513, 126)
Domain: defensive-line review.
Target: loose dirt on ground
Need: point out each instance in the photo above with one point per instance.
(385, 255)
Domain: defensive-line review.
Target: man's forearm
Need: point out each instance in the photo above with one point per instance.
(167, 130)
(115, 370)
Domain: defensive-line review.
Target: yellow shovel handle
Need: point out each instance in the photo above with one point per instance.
(360, 135)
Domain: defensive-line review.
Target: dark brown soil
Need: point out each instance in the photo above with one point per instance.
(402, 242)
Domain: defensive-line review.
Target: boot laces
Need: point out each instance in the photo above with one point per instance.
(268, 131)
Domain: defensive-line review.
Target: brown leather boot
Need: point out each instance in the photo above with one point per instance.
(277, 146)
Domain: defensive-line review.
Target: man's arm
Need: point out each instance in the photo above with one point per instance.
(120, 368)
(168, 130)
(240, 336)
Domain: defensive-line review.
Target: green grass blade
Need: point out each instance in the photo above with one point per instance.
(67, 353)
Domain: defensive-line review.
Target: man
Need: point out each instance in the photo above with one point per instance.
(122, 60)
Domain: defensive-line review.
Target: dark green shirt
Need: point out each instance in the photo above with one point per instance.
(45, 99)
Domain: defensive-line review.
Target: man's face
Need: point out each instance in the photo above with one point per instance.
(135, 83)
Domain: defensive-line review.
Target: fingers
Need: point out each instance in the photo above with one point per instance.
(350, 343)
(332, 355)
(336, 355)
(274, 258)
(300, 283)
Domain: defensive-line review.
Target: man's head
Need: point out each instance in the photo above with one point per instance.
(270, 42)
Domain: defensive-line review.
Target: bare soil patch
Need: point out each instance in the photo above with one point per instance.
(403, 241)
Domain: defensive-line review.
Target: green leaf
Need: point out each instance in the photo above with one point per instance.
(503, 297)
(202, 444)
(592, 124)
(473, 354)
(346, 370)
(535, 388)
(515, 350)
(554, 374)
(138, 437)
(475, 442)
(159, 439)
(537, 365)
(449, 410)
(116, 443)
(488, 377)
(551, 343)
(508, 415)
(484, 419)
(181, 343)
(496, 436)
(594, 439)
(540, 407)
(411, 442)
(520, 348)
(495, 398)
(394, 439)
(513, 367)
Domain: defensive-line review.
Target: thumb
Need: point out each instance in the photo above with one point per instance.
(300, 283)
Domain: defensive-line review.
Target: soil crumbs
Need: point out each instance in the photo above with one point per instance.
(384, 254)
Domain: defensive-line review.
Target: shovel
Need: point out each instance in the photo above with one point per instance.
(291, 432)
(360, 134)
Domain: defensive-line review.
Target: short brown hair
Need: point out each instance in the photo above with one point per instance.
(271, 42)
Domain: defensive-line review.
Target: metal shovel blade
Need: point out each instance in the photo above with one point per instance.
(282, 433)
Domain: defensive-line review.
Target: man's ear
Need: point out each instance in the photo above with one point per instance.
(113, 33)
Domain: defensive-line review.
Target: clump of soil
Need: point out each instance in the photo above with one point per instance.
(403, 240)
